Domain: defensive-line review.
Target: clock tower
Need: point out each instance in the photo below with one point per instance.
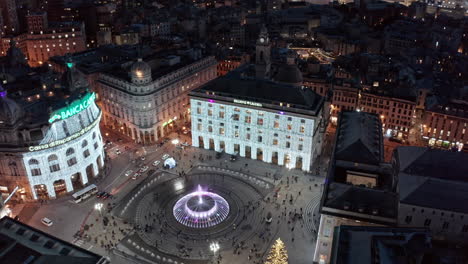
(263, 55)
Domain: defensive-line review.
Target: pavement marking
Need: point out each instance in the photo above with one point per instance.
(116, 178)
(90, 247)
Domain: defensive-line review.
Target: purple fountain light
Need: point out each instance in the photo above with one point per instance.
(201, 209)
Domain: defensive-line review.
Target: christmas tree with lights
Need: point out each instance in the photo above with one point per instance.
(277, 254)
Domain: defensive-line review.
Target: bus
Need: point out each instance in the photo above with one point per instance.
(86, 192)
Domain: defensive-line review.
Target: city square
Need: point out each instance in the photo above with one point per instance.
(233, 131)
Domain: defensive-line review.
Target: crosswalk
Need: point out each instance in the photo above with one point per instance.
(78, 242)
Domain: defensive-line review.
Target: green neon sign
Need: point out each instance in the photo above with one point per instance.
(74, 108)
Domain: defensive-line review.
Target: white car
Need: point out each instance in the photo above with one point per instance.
(144, 168)
(185, 144)
(143, 158)
(165, 156)
(128, 173)
(46, 221)
(118, 152)
(135, 176)
(156, 163)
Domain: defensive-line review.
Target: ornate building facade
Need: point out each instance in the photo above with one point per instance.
(147, 100)
(259, 119)
(50, 142)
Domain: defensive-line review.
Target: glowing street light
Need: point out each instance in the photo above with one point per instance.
(175, 141)
(98, 207)
(214, 246)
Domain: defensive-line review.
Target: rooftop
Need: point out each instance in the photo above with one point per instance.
(367, 244)
(279, 96)
(361, 133)
(20, 243)
(359, 185)
(423, 179)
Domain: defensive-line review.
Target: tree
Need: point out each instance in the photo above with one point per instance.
(277, 254)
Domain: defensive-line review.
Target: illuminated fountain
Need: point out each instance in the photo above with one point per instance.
(201, 209)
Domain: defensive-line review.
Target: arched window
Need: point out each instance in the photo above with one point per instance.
(84, 144)
(53, 163)
(33, 162)
(52, 157)
(70, 151)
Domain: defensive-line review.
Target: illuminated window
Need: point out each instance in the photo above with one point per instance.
(275, 142)
(248, 119)
(276, 124)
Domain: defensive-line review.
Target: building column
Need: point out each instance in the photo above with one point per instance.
(68, 184)
(216, 144)
(280, 158)
(155, 131)
(50, 190)
(229, 147)
(206, 143)
(84, 177)
(195, 140)
(292, 161)
(253, 153)
(267, 155)
(95, 169)
(101, 159)
(33, 192)
(242, 150)
(305, 164)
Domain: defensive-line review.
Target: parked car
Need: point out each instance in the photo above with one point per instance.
(156, 163)
(143, 169)
(46, 221)
(135, 176)
(143, 158)
(118, 152)
(128, 173)
(185, 144)
(233, 158)
(100, 194)
(165, 156)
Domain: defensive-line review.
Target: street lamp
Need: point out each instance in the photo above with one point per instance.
(98, 207)
(175, 141)
(214, 246)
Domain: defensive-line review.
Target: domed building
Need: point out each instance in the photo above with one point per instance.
(10, 111)
(147, 99)
(50, 142)
(140, 72)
